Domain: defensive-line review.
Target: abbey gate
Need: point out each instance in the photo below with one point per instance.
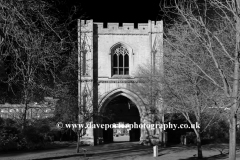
(111, 59)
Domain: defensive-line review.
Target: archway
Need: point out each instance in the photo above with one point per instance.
(121, 109)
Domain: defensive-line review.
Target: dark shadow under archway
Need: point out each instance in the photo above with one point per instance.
(121, 109)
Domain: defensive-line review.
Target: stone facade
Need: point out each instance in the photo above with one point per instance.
(110, 59)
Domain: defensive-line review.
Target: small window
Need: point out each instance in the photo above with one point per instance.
(120, 61)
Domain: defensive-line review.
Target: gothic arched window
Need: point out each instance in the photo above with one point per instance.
(120, 59)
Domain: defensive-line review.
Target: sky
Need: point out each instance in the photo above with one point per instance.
(123, 11)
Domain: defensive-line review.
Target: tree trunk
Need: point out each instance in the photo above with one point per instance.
(199, 146)
(199, 141)
(25, 109)
(232, 137)
(25, 116)
(78, 140)
(233, 116)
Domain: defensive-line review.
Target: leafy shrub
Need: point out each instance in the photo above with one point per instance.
(12, 137)
(8, 135)
(32, 135)
(219, 132)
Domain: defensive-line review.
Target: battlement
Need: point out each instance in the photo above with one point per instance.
(126, 28)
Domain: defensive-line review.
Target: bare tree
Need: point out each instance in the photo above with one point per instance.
(216, 25)
(186, 89)
(30, 45)
(150, 90)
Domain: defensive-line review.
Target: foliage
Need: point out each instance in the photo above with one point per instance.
(34, 136)
(218, 132)
(8, 134)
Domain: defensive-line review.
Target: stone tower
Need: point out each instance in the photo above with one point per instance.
(110, 60)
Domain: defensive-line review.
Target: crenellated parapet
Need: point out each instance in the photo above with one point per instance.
(126, 28)
(86, 25)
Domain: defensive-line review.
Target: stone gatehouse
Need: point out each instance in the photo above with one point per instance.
(110, 60)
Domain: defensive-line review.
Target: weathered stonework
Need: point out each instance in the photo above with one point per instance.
(97, 44)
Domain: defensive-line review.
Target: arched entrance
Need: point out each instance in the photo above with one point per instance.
(121, 109)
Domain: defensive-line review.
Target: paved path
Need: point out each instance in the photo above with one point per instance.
(123, 138)
(120, 151)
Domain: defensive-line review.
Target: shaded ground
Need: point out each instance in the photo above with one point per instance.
(126, 151)
(70, 151)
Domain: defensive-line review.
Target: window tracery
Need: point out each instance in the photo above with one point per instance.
(120, 61)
